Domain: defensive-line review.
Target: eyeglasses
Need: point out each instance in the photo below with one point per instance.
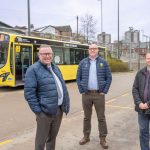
(46, 54)
(93, 49)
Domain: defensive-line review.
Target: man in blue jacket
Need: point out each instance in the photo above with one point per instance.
(47, 96)
(94, 79)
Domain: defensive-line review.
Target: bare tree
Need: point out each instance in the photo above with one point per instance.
(87, 27)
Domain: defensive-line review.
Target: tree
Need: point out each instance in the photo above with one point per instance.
(87, 27)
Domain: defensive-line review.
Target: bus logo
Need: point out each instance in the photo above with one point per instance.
(4, 76)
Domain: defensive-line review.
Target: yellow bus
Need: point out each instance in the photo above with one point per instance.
(18, 52)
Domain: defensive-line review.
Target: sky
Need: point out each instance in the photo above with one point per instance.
(133, 13)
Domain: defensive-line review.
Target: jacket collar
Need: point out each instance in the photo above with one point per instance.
(44, 65)
(97, 58)
(144, 70)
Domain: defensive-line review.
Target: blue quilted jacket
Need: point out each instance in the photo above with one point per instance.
(40, 89)
(103, 75)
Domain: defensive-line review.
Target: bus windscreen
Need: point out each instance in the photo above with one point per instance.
(3, 53)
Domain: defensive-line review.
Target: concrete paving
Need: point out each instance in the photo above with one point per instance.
(120, 115)
(122, 127)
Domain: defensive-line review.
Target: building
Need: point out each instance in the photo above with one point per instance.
(55, 32)
(4, 25)
(46, 32)
(7, 28)
(52, 32)
(104, 38)
(132, 36)
(63, 30)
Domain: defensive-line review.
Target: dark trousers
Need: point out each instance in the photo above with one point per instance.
(98, 100)
(144, 136)
(47, 130)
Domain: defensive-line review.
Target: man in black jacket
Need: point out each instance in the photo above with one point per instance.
(141, 95)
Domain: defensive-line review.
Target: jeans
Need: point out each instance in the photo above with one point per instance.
(144, 130)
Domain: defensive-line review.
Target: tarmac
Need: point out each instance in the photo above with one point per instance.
(123, 132)
(122, 128)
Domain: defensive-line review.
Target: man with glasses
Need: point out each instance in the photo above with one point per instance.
(47, 96)
(94, 79)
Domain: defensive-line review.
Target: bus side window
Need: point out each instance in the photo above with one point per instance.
(35, 53)
(36, 57)
(72, 56)
(66, 56)
(79, 55)
(58, 55)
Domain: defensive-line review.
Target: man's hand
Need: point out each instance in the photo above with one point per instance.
(143, 106)
(102, 93)
(146, 106)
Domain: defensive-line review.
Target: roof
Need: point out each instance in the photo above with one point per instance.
(40, 29)
(21, 27)
(66, 28)
(5, 25)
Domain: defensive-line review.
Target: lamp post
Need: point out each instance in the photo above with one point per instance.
(118, 51)
(147, 45)
(139, 48)
(28, 4)
(77, 26)
(131, 40)
(101, 15)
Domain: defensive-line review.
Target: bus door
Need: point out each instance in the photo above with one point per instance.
(23, 61)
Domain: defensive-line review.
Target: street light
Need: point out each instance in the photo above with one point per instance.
(101, 15)
(28, 4)
(131, 41)
(118, 55)
(147, 37)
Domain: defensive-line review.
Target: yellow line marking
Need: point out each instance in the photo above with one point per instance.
(111, 100)
(115, 98)
(126, 94)
(120, 107)
(5, 142)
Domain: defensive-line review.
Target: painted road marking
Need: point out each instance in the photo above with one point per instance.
(67, 119)
(126, 94)
(115, 98)
(122, 107)
(111, 100)
(5, 142)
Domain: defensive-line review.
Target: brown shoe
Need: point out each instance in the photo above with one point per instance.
(84, 141)
(103, 142)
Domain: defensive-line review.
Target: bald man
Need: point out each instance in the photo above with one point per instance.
(141, 96)
(93, 80)
(47, 96)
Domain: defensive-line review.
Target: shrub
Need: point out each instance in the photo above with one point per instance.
(117, 65)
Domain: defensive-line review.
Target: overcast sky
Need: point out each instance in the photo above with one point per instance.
(133, 13)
